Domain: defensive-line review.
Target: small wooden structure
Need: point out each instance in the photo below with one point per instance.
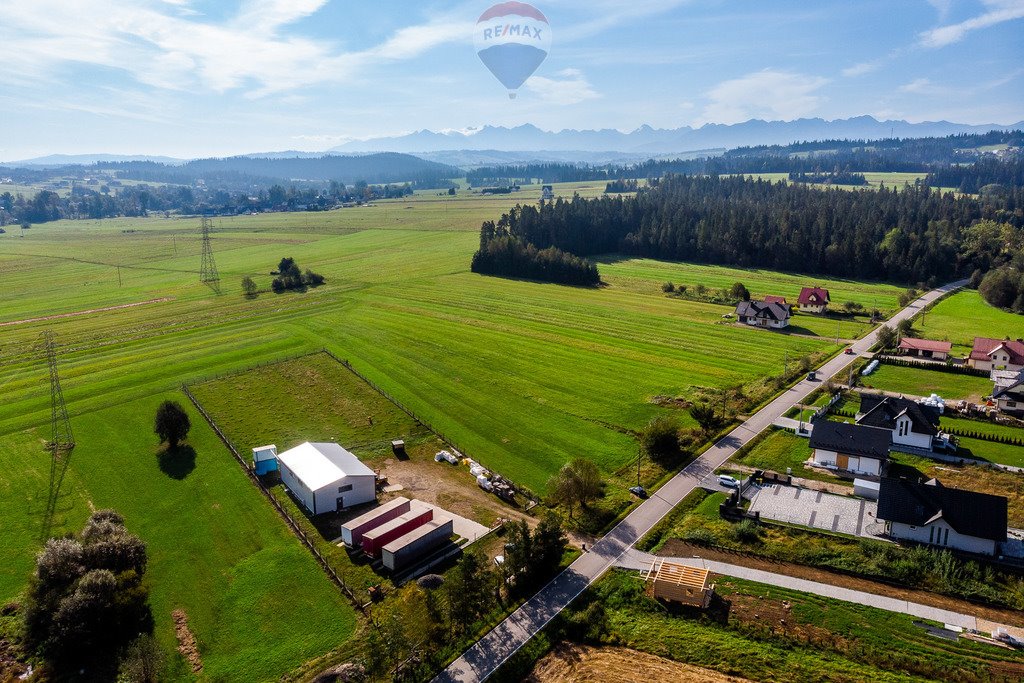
(680, 583)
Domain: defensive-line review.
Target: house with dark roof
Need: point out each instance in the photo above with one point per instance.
(997, 354)
(763, 314)
(912, 424)
(850, 447)
(925, 348)
(1009, 394)
(813, 300)
(928, 512)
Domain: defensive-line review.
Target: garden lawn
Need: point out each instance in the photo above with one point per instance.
(1004, 454)
(782, 449)
(256, 600)
(924, 382)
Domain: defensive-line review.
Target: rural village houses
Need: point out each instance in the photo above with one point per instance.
(813, 300)
(850, 448)
(997, 354)
(764, 313)
(912, 424)
(937, 515)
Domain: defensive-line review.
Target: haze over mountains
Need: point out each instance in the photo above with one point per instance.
(498, 144)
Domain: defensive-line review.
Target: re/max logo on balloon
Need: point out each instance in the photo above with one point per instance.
(510, 30)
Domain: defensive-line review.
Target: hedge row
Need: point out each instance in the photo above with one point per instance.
(936, 367)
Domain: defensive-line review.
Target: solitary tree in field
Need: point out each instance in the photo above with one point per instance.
(249, 288)
(577, 483)
(906, 327)
(172, 423)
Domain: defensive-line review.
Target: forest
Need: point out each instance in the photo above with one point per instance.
(912, 235)
(910, 155)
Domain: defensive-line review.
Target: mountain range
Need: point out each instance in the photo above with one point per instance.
(647, 141)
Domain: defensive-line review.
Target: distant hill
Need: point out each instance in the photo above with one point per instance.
(647, 141)
(55, 160)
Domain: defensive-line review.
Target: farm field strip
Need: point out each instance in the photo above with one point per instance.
(965, 315)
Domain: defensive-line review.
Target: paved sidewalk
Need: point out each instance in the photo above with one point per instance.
(485, 656)
(815, 509)
(640, 561)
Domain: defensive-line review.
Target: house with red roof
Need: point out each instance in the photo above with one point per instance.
(772, 299)
(813, 300)
(925, 348)
(997, 354)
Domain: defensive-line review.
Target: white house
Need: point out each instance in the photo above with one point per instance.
(911, 423)
(1009, 393)
(763, 314)
(850, 447)
(930, 513)
(326, 477)
(997, 354)
(813, 300)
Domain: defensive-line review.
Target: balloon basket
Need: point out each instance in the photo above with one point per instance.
(511, 95)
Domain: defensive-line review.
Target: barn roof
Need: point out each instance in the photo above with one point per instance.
(319, 464)
(911, 344)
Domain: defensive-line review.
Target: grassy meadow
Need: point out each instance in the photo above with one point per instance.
(962, 317)
(521, 375)
(924, 382)
(256, 600)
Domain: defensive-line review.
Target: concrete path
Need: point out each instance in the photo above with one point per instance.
(816, 509)
(504, 640)
(641, 561)
(796, 426)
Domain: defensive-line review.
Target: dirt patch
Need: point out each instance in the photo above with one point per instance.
(187, 645)
(11, 666)
(584, 664)
(86, 312)
(678, 548)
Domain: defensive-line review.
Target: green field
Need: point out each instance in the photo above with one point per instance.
(924, 382)
(962, 317)
(256, 601)
(520, 375)
(569, 371)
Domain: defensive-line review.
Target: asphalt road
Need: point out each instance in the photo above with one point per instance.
(491, 651)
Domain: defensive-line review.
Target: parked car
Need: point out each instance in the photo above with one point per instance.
(727, 481)
(812, 375)
(638, 491)
(848, 351)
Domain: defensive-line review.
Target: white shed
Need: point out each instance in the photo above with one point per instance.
(326, 477)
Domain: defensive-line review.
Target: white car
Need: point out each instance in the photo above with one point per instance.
(727, 481)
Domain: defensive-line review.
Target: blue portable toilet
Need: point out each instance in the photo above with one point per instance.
(264, 459)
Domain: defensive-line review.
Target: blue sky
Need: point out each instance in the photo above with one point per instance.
(211, 78)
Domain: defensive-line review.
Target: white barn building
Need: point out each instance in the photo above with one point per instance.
(325, 477)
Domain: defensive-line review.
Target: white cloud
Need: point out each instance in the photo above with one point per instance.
(860, 69)
(923, 86)
(767, 94)
(165, 44)
(571, 88)
(999, 11)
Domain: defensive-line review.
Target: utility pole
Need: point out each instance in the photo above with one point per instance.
(639, 455)
(119, 275)
(208, 267)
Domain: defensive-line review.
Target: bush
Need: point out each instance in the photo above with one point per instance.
(700, 536)
(747, 531)
(668, 287)
(660, 440)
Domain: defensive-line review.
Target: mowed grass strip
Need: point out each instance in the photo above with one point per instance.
(925, 382)
(256, 600)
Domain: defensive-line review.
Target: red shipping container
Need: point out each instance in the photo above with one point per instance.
(375, 539)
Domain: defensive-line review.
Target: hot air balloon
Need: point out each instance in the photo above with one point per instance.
(512, 39)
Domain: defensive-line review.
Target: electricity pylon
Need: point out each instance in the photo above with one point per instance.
(208, 268)
(62, 440)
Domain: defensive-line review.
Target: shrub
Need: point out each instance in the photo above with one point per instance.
(700, 536)
(660, 439)
(747, 531)
(668, 287)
